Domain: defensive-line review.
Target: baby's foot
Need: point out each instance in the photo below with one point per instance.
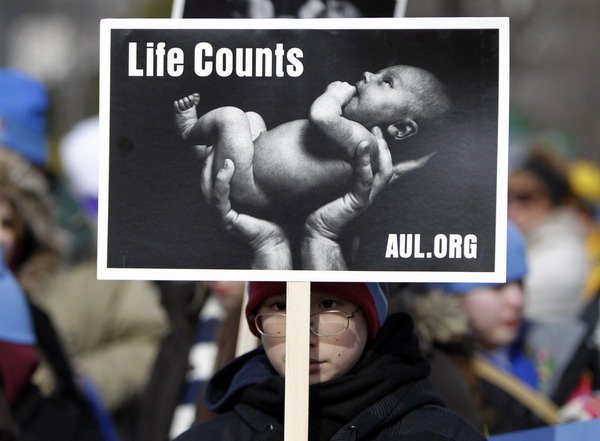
(185, 113)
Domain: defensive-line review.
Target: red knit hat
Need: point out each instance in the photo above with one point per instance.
(368, 296)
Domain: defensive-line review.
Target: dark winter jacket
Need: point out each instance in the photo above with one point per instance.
(386, 396)
(486, 395)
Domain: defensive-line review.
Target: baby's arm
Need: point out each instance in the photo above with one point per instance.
(326, 115)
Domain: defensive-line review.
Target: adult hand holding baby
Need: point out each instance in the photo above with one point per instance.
(319, 249)
(373, 171)
(267, 240)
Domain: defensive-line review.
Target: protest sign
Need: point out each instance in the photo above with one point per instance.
(443, 220)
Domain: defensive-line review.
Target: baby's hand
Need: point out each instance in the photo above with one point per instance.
(341, 91)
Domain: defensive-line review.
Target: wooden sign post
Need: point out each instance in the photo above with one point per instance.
(297, 348)
(297, 357)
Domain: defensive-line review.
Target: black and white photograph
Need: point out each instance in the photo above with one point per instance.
(354, 149)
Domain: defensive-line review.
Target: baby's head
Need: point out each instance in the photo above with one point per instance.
(398, 99)
(344, 316)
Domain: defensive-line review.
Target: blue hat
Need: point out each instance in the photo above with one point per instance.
(516, 264)
(23, 107)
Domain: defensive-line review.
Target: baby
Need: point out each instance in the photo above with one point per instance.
(305, 159)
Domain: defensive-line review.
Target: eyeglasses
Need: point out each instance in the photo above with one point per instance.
(322, 324)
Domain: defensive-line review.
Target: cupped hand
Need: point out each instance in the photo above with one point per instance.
(373, 171)
(266, 239)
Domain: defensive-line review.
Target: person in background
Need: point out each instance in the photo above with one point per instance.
(33, 242)
(446, 340)
(583, 402)
(584, 177)
(111, 330)
(204, 320)
(231, 298)
(510, 393)
(18, 353)
(216, 338)
(540, 203)
(27, 336)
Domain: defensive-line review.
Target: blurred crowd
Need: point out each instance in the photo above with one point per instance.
(82, 359)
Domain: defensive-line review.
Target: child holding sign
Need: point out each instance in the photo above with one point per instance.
(367, 379)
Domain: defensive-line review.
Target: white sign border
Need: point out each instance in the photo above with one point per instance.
(496, 276)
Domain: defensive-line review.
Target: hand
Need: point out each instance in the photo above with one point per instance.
(320, 249)
(330, 220)
(267, 240)
(370, 179)
(384, 171)
(341, 91)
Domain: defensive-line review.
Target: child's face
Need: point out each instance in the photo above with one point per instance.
(330, 357)
(382, 98)
(495, 313)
